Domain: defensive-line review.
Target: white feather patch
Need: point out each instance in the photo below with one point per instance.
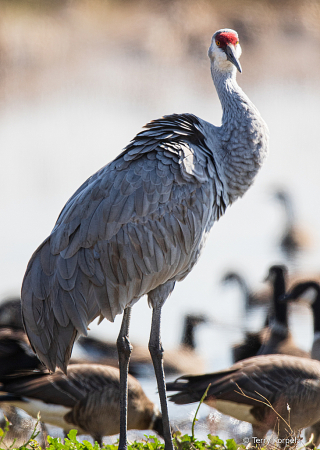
(52, 414)
(239, 411)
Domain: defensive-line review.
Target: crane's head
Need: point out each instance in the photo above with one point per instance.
(224, 51)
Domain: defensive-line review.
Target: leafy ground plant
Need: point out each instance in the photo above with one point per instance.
(181, 442)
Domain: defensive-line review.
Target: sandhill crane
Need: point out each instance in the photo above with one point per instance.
(86, 399)
(139, 224)
(258, 390)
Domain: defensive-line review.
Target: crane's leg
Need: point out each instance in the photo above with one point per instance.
(124, 350)
(156, 351)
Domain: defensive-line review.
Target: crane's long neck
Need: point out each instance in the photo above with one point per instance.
(243, 134)
(231, 96)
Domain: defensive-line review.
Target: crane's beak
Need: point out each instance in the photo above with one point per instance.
(231, 56)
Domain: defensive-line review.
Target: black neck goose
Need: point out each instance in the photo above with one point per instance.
(15, 350)
(16, 353)
(251, 298)
(280, 340)
(243, 391)
(86, 399)
(252, 341)
(293, 239)
(298, 291)
(10, 314)
(294, 294)
(250, 346)
(275, 336)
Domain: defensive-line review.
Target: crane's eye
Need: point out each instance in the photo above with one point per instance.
(218, 43)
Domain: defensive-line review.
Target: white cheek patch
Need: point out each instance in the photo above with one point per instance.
(221, 63)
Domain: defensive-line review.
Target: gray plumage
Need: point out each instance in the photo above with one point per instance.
(243, 390)
(141, 221)
(139, 224)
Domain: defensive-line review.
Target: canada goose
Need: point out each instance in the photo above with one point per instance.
(251, 344)
(294, 294)
(298, 291)
(15, 350)
(10, 313)
(252, 341)
(16, 353)
(280, 340)
(244, 390)
(86, 399)
(275, 336)
(293, 239)
(251, 298)
(180, 360)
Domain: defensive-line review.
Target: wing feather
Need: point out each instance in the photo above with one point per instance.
(67, 267)
(129, 228)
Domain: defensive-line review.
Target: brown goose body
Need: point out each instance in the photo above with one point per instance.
(243, 390)
(86, 399)
(297, 291)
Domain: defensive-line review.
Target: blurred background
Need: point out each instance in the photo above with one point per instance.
(78, 80)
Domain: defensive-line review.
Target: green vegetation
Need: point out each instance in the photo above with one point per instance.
(184, 442)
(181, 442)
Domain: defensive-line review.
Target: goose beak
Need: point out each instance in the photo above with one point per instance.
(231, 56)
